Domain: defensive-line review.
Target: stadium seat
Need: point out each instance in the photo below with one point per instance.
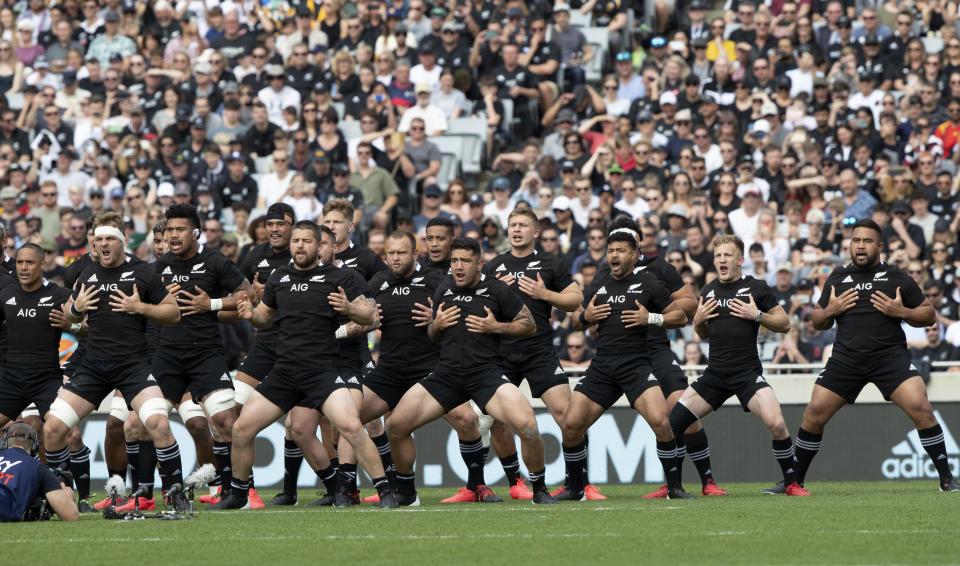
(14, 99)
(453, 145)
(264, 164)
(580, 20)
(475, 131)
(340, 108)
(599, 39)
(350, 129)
(506, 121)
(449, 170)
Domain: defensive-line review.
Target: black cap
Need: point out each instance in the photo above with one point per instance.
(844, 22)
(475, 200)
(340, 168)
(320, 156)
(183, 112)
(115, 57)
(900, 205)
(235, 156)
(500, 184)
(942, 225)
(805, 284)
(69, 77)
(871, 39)
(178, 159)
(568, 165)
(783, 82)
(198, 123)
(142, 162)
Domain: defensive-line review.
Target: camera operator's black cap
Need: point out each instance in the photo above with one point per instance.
(21, 430)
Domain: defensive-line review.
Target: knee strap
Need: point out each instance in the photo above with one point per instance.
(242, 392)
(681, 418)
(118, 409)
(154, 406)
(64, 412)
(190, 410)
(219, 401)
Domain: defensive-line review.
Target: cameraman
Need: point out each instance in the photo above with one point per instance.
(24, 478)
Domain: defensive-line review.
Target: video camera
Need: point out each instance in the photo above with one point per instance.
(39, 509)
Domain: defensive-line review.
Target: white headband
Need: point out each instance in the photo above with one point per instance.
(630, 231)
(109, 231)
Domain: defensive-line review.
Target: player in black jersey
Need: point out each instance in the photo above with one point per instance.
(868, 299)
(355, 359)
(664, 364)
(305, 301)
(481, 310)
(117, 296)
(622, 363)
(439, 235)
(732, 308)
(189, 357)
(31, 373)
(542, 284)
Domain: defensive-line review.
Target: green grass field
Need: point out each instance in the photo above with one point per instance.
(843, 523)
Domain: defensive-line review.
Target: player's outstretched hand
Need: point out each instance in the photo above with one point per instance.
(705, 311)
(483, 324)
(58, 319)
(594, 313)
(639, 317)
(422, 314)
(86, 299)
(129, 304)
(339, 301)
(194, 303)
(245, 307)
(258, 287)
(838, 305)
(446, 318)
(535, 288)
(891, 307)
(507, 278)
(746, 311)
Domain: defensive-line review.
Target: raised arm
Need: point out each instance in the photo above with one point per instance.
(566, 300)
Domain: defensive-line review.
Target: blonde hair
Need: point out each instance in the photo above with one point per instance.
(724, 239)
(340, 205)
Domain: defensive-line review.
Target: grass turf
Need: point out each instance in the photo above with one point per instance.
(843, 523)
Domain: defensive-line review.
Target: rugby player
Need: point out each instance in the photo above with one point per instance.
(471, 312)
(305, 301)
(542, 284)
(117, 296)
(622, 363)
(189, 358)
(731, 310)
(868, 299)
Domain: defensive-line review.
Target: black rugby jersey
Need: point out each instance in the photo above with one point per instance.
(306, 323)
(114, 336)
(461, 349)
(863, 330)
(212, 272)
(733, 341)
(263, 260)
(555, 278)
(402, 343)
(363, 260)
(31, 340)
(621, 294)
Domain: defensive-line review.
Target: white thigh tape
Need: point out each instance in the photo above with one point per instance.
(154, 406)
(220, 401)
(241, 391)
(63, 411)
(190, 410)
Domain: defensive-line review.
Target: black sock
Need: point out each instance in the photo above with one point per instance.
(511, 467)
(347, 477)
(170, 469)
(586, 469)
(133, 464)
(536, 480)
(221, 452)
(783, 452)
(250, 483)
(80, 468)
(575, 459)
(386, 458)
(328, 476)
(667, 452)
(335, 463)
(473, 454)
(292, 458)
(681, 454)
(239, 488)
(382, 485)
(147, 466)
(58, 458)
(932, 441)
(407, 484)
(807, 447)
(698, 450)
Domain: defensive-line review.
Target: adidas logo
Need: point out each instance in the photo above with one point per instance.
(151, 378)
(559, 371)
(878, 275)
(339, 380)
(501, 268)
(225, 378)
(533, 264)
(760, 379)
(369, 365)
(167, 271)
(285, 279)
(12, 301)
(911, 461)
(481, 292)
(449, 292)
(651, 377)
(601, 291)
(317, 279)
(198, 268)
(93, 278)
(263, 263)
(354, 381)
(385, 286)
(847, 279)
(710, 294)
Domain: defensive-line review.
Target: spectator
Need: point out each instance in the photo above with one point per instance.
(430, 207)
(378, 188)
(432, 116)
(576, 352)
(273, 186)
(423, 153)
